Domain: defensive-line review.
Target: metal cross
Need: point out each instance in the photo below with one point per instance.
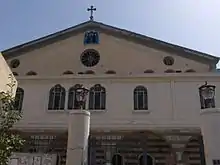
(91, 9)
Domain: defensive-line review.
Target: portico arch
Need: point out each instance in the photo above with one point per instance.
(129, 145)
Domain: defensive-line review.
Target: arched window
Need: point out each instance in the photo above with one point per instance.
(31, 73)
(89, 72)
(18, 99)
(72, 103)
(97, 97)
(80, 73)
(140, 98)
(145, 159)
(67, 72)
(169, 71)
(190, 70)
(91, 37)
(149, 71)
(57, 98)
(110, 72)
(117, 159)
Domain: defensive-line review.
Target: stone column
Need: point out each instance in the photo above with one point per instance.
(210, 127)
(78, 134)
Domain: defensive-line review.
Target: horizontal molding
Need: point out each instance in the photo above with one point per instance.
(115, 125)
(164, 77)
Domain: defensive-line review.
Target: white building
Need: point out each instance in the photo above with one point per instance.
(144, 99)
(6, 77)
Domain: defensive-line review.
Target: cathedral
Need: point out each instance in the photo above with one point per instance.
(144, 101)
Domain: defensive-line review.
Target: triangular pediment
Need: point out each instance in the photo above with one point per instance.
(116, 47)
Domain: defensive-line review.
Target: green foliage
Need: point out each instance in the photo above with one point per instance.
(9, 141)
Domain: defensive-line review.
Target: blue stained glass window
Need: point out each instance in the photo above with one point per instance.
(91, 37)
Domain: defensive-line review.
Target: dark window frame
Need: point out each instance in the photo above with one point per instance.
(91, 37)
(97, 97)
(116, 159)
(72, 102)
(145, 158)
(57, 92)
(19, 98)
(140, 98)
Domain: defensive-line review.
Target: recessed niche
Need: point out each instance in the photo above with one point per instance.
(190, 71)
(178, 71)
(67, 72)
(89, 72)
(14, 63)
(110, 72)
(31, 73)
(80, 73)
(169, 71)
(149, 71)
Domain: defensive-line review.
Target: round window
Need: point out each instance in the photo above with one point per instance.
(90, 58)
(168, 60)
(15, 63)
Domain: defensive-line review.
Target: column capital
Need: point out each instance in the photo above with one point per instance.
(79, 112)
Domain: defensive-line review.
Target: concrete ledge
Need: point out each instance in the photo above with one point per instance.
(209, 110)
(79, 112)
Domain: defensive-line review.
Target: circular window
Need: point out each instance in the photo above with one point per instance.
(15, 63)
(90, 57)
(168, 60)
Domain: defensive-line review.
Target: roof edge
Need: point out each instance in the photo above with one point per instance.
(41, 39)
(192, 52)
(171, 45)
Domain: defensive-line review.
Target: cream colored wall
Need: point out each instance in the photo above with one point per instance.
(173, 98)
(173, 102)
(5, 72)
(116, 54)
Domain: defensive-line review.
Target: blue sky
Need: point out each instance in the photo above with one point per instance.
(191, 23)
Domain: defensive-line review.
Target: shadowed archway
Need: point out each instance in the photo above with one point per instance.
(104, 148)
(194, 151)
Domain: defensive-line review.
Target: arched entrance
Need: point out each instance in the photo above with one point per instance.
(133, 148)
(117, 159)
(146, 159)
